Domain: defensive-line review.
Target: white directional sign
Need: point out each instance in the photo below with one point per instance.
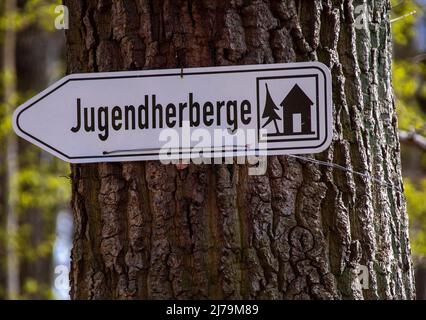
(202, 112)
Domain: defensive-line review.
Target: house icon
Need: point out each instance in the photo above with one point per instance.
(297, 112)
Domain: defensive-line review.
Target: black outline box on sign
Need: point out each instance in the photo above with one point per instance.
(317, 138)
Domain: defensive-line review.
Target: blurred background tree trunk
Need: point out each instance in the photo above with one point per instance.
(9, 66)
(36, 221)
(27, 208)
(146, 231)
(3, 185)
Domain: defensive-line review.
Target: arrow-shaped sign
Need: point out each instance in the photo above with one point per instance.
(209, 112)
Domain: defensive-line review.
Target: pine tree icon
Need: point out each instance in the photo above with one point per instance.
(270, 111)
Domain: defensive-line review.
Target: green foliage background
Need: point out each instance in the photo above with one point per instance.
(409, 81)
(42, 180)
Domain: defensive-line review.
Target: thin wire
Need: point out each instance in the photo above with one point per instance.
(380, 182)
(342, 168)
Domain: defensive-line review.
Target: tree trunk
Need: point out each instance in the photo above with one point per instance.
(302, 231)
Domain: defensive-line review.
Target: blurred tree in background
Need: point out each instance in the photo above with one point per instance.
(34, 187)
(409, 81)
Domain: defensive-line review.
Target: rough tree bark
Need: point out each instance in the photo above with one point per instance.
(148, 231)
